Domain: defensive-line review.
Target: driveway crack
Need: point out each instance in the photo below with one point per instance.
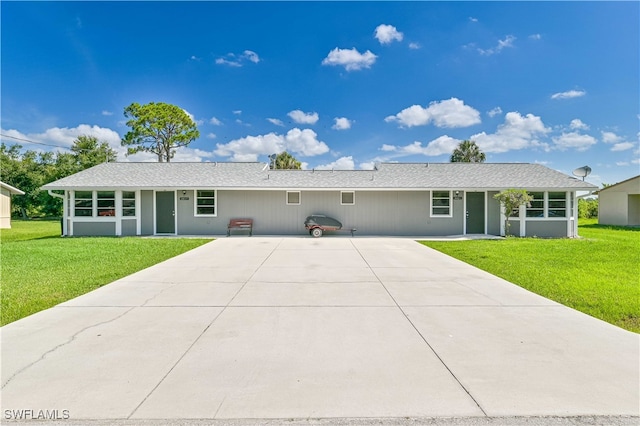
(71, 339)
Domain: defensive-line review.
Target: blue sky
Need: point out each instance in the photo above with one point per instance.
(339, 85)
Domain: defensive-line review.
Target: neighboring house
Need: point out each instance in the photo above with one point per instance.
(393, 199)
(619, 204)
(6, 191)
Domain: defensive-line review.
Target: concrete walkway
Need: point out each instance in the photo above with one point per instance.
(330, 328)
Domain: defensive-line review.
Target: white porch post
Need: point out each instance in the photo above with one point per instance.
(522, 214)
(574, 196)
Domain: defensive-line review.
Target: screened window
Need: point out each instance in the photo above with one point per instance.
(347, 198)
(293, 198)
(128, 203)
(557, 204)
(537, 205)
(83, 204)
(206, 203)
(441, 203)
(106, 203)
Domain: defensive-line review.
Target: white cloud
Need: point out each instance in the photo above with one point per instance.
(472, 19)
(237, 112)
(211, 136)
(251, 56)
(387, 34)
(535, 36)
(439, 146)
(517, 132)
(610, 137)
(367, 165)
(502, 44)
(495, 111)
(568, 94)
(233, 60)
(215, 121)
(191, 116)
(301, 117)
(195, 58)
(64, 136)
(574, 140)
(107, 113)
(622, 146)
(414, 45)
(341, 123)
(622, 163)
(448, 113)
(351, 59)
(577, 124)
(302, 142)
(275, 121)
(342, 163)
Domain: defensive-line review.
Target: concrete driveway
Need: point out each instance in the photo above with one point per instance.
(299, 328)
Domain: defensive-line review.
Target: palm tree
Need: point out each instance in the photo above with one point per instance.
(467, 152)
(284, 160)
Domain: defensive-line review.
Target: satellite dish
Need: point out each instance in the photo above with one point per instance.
(582, 172)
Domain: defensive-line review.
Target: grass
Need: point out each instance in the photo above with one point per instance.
(40, 269)
(598, 274)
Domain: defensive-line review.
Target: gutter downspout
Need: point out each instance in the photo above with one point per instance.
(64, 210)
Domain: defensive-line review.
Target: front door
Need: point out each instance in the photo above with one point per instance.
(475, 213)
(165, 212)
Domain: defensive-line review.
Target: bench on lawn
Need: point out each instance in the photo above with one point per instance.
(240, 224)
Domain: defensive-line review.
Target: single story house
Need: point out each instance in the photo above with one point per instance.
(410, 199)
(6, 191)
(619, 204)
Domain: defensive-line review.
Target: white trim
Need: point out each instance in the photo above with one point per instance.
(286, 198)
(195, 203)
(348, 204)
(522, 215)
(431, 215)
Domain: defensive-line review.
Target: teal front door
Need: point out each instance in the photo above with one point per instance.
(165, 212)
(475, 213)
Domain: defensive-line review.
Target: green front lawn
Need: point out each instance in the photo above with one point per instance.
(40, 269)
(598, 274)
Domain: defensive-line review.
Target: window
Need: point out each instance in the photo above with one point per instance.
(557, 204)
(293, 198)
(106, 203)
(206, 202)
(537, 205)
(347, 198)
(83, 205)
(441, 203)
(128, 203)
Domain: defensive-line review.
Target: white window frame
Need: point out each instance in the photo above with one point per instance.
(353, 193)
(431, 206)
(299, 198)
(98, 209)
(215, 203)
(135, 204)
(74, 199)
(546, 207)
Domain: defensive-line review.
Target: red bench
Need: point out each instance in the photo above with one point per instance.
(240, 224)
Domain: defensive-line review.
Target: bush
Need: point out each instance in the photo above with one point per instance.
(587, 208)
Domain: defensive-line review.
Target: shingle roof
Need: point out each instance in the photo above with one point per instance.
(258, 176)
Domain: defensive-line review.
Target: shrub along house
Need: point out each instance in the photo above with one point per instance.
(410, 199)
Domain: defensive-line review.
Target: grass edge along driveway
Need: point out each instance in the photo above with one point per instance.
(40, 269)
(598, 274)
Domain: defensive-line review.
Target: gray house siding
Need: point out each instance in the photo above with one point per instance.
(102, 229)
(546, 228)
(374, 213)
(129, 227)
(146, 212)
(493, 214)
